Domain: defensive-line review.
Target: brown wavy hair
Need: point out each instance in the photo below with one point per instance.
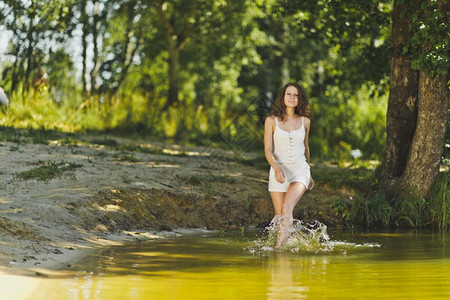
(302, 109)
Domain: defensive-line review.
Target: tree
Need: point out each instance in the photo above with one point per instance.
(418, 103)
(402, 104)
(177, 25)
(34, 24)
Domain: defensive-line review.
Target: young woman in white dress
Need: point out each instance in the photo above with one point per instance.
(286, 149)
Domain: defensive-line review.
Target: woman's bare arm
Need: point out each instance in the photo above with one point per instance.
(268, 148)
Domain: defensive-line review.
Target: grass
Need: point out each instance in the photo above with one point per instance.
(371, 211)
(48, 171)
(440, 201)
(30, 135)
(371, 208)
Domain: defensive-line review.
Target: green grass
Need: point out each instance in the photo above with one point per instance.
(48, 171)
(440, 201)
(29, 135)
(360, 179)
(371, 211)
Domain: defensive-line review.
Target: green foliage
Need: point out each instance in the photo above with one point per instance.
(411, 211)
(371, 211)
(346, 122)
(31, 135)
(232, 52)
(440, 201)
(430, 42)
(358, 179)
(341, 208)
(48, 171)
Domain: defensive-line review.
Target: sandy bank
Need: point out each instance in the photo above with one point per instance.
(111, 196)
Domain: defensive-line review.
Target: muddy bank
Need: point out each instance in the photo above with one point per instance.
(99, 194)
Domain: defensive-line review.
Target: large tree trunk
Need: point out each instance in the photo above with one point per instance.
(423, 162)
(402, 103)
(416, 119)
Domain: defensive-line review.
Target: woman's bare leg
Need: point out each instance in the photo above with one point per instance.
(291, 198)
(277, 201)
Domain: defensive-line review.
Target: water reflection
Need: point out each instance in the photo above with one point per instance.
(282, 285)
(408, 265)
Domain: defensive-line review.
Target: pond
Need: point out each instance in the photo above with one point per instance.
(371, 265)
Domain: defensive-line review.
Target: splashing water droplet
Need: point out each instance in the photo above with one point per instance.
(301, 237)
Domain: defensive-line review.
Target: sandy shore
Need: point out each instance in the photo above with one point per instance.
(22, 280)
(112, 195)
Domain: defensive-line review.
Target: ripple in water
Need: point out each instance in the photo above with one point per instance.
(303, 237)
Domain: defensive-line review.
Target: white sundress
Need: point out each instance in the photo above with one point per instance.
(289, 153)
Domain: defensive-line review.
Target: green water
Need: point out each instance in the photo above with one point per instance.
(407, 265)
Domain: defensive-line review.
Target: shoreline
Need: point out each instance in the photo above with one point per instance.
(113, 195)
(22, 280)
(50, 264)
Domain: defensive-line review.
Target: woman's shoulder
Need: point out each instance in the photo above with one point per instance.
(307, 121)
(270, 119)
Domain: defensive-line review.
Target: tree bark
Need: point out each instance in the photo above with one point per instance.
(174, 61)
(84, 20)
(402, 104)
(130, 47)
(175, 43)
(30, 50)
(16, 69)
(427, 146)
(96, 59)
(416, 119)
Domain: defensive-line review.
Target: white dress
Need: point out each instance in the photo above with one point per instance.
(289, 153)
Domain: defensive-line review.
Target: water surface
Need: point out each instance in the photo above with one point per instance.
(407, 265)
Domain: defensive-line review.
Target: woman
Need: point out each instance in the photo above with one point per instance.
(286, 149)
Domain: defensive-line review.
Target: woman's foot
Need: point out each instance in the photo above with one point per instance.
(283, 232)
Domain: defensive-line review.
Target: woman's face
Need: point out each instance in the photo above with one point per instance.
(291, 97)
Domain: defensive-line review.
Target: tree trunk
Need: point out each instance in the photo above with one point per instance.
(416, 119)
(428, 143)
(84, 20)
(174, 57)
(130, 48)
(175, 44)
(30, 51)
(16, 69)
(402, 104)
(96, 59)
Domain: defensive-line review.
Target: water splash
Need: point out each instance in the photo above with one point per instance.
(302, 237)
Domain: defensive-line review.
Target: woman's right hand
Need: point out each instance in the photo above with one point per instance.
(279, 175)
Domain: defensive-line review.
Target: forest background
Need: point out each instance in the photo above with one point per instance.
(202, 72)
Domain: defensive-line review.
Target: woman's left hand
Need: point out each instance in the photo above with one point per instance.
(311, 184)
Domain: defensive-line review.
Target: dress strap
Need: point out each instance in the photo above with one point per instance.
(276, 121)
(303, 122)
